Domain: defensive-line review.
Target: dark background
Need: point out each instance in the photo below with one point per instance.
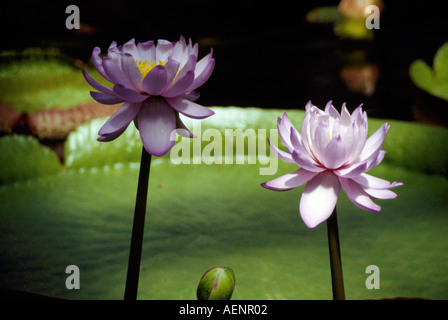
(267, 54)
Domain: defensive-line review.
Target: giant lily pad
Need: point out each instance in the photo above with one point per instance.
(202, 215)
(38, 79)
(49, 89)
(23, 158)
(432, 80)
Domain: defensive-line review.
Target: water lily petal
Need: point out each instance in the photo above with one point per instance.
(296, 140)
(334, 154)
(147, 51)
(105, 98)
(130, 48)
(331, 110)
(189, 65)
(375, 159)
(180, 52)
(369, 181)
(284, 132)
(192, 95)
(204, 62)
(114, 71)
(193, 49)
(319, 198)
(112, 136)
(282, 155)
(171, 67)
(180, 86)
(350, 139)
(155, 81)
(358, 196)
(320, 141)
(164, 49)
(359, 133)
(375, 142)
(351, 171)
(97, 62)
(156, 122)
(181, 128)
(305, 128)
(189, 108)
(132, 71)
(346, 119)
(113, 45)
(290, 180)
(96, 85)
(380, 193)
(129, 95)
(120, 119)
(303, 160)
(207, 64)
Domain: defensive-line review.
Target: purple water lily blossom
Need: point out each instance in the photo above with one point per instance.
(333, 152)
(155, 82)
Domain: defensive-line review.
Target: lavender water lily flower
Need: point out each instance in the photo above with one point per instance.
(333, 152)
(155, 82)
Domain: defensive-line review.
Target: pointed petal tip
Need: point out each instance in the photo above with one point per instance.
(158, 150)
(96, 51)
(269, 186)
(157, 153)
(104, 139)
(189, 108)
(312, 221)
(311, 224)
(396, 184)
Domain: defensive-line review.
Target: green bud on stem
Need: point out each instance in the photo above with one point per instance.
(217, 283)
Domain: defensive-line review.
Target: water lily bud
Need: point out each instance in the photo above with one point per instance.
(217, 283)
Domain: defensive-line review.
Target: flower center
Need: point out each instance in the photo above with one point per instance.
(145, 66)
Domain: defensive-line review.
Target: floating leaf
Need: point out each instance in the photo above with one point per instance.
(416, 149)
(441, 63)
(36, 80)
(422, 75)
(83, 151)
(432, 80)
(201, 215)
(23, 157)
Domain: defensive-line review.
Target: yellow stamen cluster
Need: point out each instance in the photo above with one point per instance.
(145, 66)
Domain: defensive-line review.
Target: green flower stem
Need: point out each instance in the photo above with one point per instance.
(337, 280)
(135, 252)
